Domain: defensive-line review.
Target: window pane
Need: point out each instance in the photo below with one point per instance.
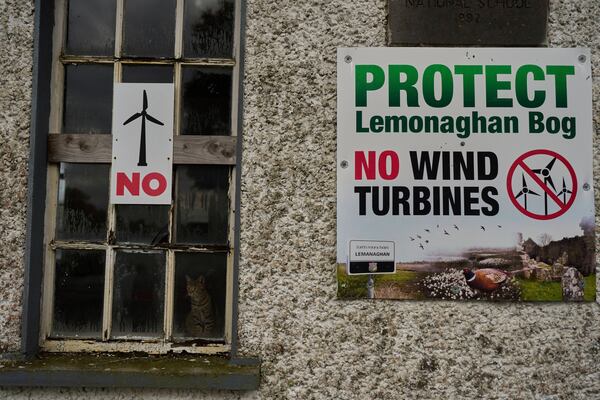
(200, 288)
(147, 73)
(91, 27)
(138, 296)
(202, 205)
(82, 201)
(208, 28)
(88, 98)
(78, 293)
(142, 224)
(149, 28)
(206, 105)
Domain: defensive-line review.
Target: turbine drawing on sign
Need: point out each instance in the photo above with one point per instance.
(564, 192)
(145, 116)
(545, 172)
(525, 191)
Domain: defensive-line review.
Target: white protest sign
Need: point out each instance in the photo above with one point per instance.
(142, 147)
(446, 150)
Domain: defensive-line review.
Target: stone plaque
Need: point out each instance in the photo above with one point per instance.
(468, 22)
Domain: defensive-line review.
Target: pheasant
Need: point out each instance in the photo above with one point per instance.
(486, 279)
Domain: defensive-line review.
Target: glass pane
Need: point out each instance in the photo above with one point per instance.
(142, 224)
(200, 287)
(82, 201)
(206, 105)
(138, 296)
(149, 28)
(147, 73)
(91, 27)
(202, 205)
(208, 28)
(78, 293)
(88, 98)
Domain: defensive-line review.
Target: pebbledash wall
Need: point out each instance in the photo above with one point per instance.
(313, 346)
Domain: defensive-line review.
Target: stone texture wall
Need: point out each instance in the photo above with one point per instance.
(16, 46)
(312, 345)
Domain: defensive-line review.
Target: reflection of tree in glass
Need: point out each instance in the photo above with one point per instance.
(145, 302)
(199, 211)
(141, 223)
(123, 285)
(88, 98)
(148, 28)
(206, 101)
(79, 288)
(91, 27)
(80, 217)
(203, 204)
(209, 28)
(139, 288)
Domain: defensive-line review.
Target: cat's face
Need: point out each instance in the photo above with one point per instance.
(194, 286)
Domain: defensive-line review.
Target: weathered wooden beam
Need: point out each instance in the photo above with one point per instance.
(187, 149)
(79, 148)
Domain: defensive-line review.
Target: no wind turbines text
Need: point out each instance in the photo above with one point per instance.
(459, 199)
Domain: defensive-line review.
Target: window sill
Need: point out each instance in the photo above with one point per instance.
(131, 371)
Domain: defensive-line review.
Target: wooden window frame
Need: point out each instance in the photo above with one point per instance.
(96, 148)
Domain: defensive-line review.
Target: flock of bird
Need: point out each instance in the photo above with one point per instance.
(421, 239)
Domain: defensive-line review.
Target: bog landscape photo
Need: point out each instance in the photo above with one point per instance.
(540, 268)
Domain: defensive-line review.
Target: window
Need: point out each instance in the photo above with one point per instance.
(139, 277)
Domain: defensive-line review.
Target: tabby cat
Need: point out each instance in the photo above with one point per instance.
(200, 322)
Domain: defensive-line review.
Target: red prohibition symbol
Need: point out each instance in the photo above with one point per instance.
(543, 180)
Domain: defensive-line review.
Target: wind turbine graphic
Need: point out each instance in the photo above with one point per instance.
(145, 116)
(525, 191)
(564, 192)
(545, 172)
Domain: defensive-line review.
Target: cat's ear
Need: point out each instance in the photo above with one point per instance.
(188, 279)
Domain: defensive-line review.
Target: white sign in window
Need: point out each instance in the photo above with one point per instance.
(142, 148)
